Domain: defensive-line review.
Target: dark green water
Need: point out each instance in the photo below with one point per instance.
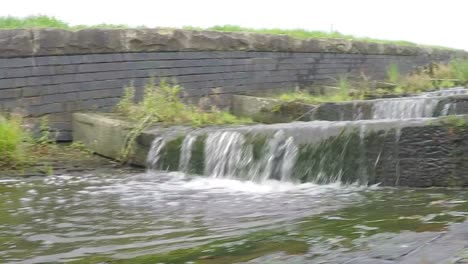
(167, 218)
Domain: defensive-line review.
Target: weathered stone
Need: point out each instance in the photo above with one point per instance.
(16, 42)
(33, 42)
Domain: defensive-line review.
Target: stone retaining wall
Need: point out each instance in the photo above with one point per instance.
(45, 72)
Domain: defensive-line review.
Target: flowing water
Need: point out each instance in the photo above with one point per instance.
(288, 193)
(158, 217)
(424, 105)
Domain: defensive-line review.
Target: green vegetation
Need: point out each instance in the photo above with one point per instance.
(42, 21)
(22, 153)
(161, 104)
(303, 34)
(454, 121)
(436, 75)
(393, 73)
(428, 78)
(342, 93)
(459, 70)
(12, 136)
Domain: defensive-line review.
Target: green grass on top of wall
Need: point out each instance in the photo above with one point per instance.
(41, 21)
(307, 34)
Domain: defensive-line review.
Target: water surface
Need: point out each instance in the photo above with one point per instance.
(162, 217)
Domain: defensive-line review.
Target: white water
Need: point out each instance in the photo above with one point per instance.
(420, 106)
(154, 153)
(236, 154)
(404, 108)
(228, 154)
(186, 153)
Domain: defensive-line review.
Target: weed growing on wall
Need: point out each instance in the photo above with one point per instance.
(161, 104)
(436, 75)
(342, 93)
(460, 70)
(393, 73)
(12, 136)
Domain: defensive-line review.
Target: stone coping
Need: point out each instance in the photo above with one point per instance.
(42, 42)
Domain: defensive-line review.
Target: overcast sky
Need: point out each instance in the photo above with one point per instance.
(432, 22)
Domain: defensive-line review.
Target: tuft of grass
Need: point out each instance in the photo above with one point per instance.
(12, 136)
(393, 73)
(161, 104)
(39, 21)
(340, 95)
(415, 83)
(460, 70)
(435, 75)
(42, 21)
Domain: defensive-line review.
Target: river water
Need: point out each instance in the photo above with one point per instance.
(246, 209)
(159, 217)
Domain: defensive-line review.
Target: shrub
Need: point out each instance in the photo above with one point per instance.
(161, 104)
(12, 136)
(393, 73)
(342, 94)
(414, 83)
(460, 70)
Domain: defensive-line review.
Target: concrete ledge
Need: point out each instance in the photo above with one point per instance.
(41, 42)
(270, 110)
(412, 152)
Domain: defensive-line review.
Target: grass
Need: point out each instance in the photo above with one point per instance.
(393, 73)
(307, 34)
(342, 94)
(21, 152)
(460, 70)
(436, 75)
(12, 136)
(431, 77)
(161, 104)
(42, 21)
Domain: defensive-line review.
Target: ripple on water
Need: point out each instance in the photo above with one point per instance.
(67, 217)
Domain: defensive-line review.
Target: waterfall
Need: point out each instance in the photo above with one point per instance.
(420, 106)
(226, 155)
(154, 154)
(320, 152)
(404, 108)
(229, 154)
(186, 153)
(270, 155)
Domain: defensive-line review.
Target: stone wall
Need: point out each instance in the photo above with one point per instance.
(54, 73)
